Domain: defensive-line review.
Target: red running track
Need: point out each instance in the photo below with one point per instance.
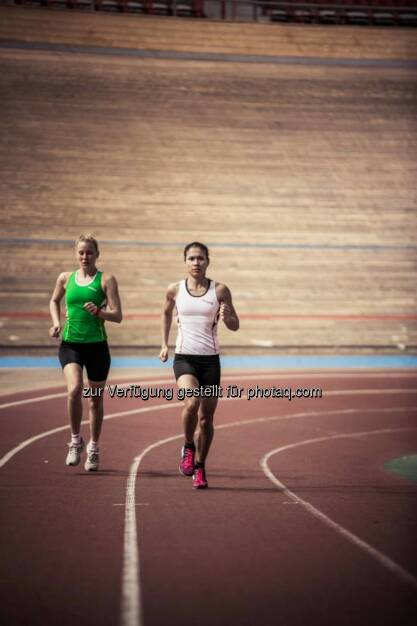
(316, 533)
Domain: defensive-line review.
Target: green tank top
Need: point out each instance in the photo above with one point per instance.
(80, 325)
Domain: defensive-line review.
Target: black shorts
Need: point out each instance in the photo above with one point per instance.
(94, 356)
(206, 369)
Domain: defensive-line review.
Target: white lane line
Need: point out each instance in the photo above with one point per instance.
(139, 504)
(342, 392)
(63, 394)
(381, 558)
(278, 376)
(131, 607)
(51, 396)
(168, 405)
(131, 601)
(27, 442)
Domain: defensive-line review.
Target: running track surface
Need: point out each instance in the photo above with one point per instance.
(301, 524)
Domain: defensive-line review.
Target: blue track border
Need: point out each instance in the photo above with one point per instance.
(243, 362)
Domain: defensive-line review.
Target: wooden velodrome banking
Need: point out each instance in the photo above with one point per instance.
(300, 177)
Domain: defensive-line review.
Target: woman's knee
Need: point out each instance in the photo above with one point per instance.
(95, 402)
(75, 390)
(205, 421)
(192, 405)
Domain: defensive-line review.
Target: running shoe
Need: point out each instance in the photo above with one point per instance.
(187, 461)
(199, 479)
(74, 452)
(93, 460)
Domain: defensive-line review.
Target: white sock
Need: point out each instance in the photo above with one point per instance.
(76, 438)
(93, 446)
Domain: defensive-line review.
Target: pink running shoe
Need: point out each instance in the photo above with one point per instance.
(199, 479)
(187, 461)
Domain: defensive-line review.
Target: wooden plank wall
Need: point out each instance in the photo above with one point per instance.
(302, 176)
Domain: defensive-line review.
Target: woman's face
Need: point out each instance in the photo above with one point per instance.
(196, 262)
(86, 255)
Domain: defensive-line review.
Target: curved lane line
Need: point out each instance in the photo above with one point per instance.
(27, 442)
(276, 377)
(131, 605)
(382, 559)
(341, 392)
(51, 396)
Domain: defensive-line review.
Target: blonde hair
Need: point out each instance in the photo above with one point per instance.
(88, 238)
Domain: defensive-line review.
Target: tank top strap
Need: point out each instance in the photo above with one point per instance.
(71, 279)
(97, 280)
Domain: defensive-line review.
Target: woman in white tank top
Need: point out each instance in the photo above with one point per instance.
(199, 303)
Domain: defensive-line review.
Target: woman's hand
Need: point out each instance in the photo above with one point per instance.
(54, 331)
(163, 355)
(92, 308)
(225, 312)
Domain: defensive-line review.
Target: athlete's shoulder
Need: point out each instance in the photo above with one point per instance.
(107, 279)
(172, 290)
(63, 278)
(222, 290)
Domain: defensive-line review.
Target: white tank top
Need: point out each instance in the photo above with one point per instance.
(197, 318)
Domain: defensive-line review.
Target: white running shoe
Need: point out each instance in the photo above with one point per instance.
(74, 452)
(93, 460)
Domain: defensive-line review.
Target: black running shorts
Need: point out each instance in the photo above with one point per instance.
(206, 369)
(94, 356)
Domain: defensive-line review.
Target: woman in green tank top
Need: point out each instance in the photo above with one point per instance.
(91, 298)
